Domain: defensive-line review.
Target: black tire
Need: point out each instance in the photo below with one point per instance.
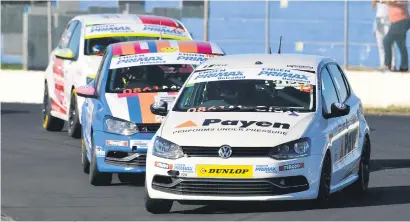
(136, 179)
(322, 200)
(84, 161)
(74, 126)
(50, 123)
(360, 186)
(96, 177)
(156, 206)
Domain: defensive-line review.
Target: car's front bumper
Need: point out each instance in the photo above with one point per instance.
(121, 154)
(276, 183)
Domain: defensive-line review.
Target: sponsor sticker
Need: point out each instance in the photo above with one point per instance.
(116, 143)
(141, 59)
(233, 125)
(163, 165)
(265, 168)
(109, 28)
(183, 168)
(168, 49)
(165, 30)
(139, 143)
(220, 75)
(294, 166)
(99, 151)
(224, 171)
(192, 57)
(299, 67)
(284, 74)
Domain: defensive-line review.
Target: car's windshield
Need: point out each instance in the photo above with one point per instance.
(238, 95)
(97, 46)
(148, 78)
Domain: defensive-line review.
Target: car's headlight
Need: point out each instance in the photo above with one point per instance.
(119, 126)
(166, 149)
(290, 150)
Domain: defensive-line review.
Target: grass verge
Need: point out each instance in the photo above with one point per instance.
(389, 110)
(12, 66)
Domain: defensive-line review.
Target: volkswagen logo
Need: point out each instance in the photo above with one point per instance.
(225, 151)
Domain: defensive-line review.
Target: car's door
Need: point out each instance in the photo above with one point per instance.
(58, 65)
(335, 125)
(71, 66)
(91, 103)
(349, 155)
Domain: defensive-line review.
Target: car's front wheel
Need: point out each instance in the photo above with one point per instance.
(360, 186)
(96, 177)
(156, 206)
(324, 186)
(50, 123)
(74, 126)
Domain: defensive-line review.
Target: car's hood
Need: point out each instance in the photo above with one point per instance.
(262, 129)
(136, 108)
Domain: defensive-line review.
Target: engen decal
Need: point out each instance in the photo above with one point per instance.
(109, 28)
(193, 57)
(286, 75)
(220, 75)
(133, 60)
(265, 169)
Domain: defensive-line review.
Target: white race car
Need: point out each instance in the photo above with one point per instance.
(259, 128)
(74, 62)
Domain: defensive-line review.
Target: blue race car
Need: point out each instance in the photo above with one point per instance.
(117, 122)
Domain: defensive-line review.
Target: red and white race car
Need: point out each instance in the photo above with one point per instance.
(75, 60)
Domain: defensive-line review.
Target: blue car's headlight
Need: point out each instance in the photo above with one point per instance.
(290, 150)
(166, 149)
(119, 126)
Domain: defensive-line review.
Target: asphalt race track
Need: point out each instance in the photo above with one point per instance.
(42, 179)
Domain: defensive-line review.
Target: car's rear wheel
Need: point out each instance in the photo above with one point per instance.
(360, 186)
(74, 126)
(84, 160)
(50, 123)
(322, 200)
(96, 177)
(156, 206)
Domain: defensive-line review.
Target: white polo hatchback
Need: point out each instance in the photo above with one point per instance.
(259, 128)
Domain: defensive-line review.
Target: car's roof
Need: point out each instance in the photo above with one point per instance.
(159, 46)
(300, 61)
(128, 18)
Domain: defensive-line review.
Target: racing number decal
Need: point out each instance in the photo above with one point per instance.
(137, 90)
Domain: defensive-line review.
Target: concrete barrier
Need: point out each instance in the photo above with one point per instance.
(376, 89)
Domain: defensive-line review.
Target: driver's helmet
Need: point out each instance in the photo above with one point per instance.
(98, 49)
(133, 74)
(221, 90)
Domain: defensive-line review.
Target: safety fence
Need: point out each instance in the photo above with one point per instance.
(338, 29)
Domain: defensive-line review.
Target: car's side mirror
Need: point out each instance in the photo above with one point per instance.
(86, 91)
(65, 53)
(159, 108)
(338, 109)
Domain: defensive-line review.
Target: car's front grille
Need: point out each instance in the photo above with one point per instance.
(200, 151)
(148, 128)
(126, 158)
(230, 187)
